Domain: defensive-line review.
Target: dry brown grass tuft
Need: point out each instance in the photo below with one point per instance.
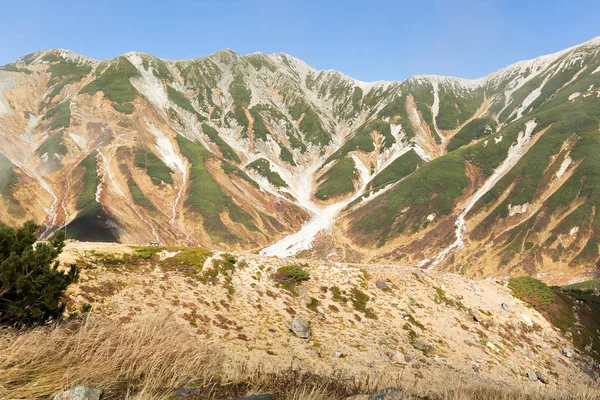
(146, 359)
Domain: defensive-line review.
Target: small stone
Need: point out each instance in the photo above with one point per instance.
(301, 290)
(339, 354)
(299, 327)
(381, 284)
(388, 394)
(532, 376)
(407, 358)
(476, 318)
(475, 366)
(397, 358)
(412, 303)
(567, 352)
(382, 340)
(80, 392)
(256, 397)
(542, 377)
(505, 306)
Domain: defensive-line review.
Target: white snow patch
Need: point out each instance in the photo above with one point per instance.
(563, 167)
(148, 84)
(79, 140)
(575, 95)
(430, 217)
(596, 70)
(498, 139)
(422, 153)
(322, 217)
(362, 169)
(167, 151)
(574, 231)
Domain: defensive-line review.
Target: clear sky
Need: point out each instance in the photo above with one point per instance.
(366, 39)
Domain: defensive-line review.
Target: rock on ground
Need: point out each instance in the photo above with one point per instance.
(388, 394)
(300, 327)
(80, 392)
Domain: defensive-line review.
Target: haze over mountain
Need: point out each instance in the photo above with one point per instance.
(263, 152)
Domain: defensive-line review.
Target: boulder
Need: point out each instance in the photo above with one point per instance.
(532, 376)
(80, 392)
(388, 394)
(505, 306)
(381, 284)
(299, 327)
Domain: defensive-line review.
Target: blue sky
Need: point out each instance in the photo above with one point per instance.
(368, 40)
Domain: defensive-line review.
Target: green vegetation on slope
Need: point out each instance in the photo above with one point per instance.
(225, 149)
(571, 310)
(13, 68)
(115, 82)
(476, 129)
(398, 169)
(311, 125)
(433, 188)
(229, 169)
(139, 199)
(263, 167)
(156, 169)
(363, 141)
(60, 115)
(584, 286)
(87, 195)
(207, 198)
(179, 98)
(456, 109)
(64, 72)
(338, 180)
(8, 177)
(92, 222)
(52, 147)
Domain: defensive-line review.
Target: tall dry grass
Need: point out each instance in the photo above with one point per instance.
(145, 360)
(150, 358)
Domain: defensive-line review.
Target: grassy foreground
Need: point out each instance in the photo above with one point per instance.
(151, 358)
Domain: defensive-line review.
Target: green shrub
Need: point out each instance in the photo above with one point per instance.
(31, 285)
(532, 291)
(295, 272)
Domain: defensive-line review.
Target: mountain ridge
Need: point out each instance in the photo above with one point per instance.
(242, 151)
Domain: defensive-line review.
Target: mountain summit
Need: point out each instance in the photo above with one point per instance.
(264, 153)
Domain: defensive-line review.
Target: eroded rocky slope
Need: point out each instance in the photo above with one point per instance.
(231, 151)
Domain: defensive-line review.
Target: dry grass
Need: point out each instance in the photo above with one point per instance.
(150, 358)
(143, 360)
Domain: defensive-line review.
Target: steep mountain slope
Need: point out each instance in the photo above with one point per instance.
(228, 150)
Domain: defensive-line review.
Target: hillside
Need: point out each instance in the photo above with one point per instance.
(369, 327)
(264, 153)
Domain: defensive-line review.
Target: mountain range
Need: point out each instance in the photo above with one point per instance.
(264, 153)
